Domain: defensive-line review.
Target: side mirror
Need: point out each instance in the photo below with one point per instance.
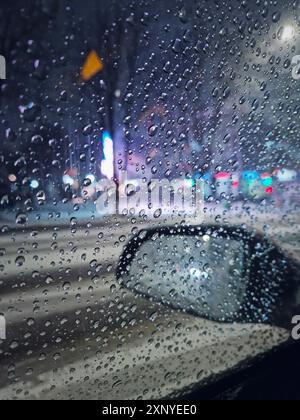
(220, 273)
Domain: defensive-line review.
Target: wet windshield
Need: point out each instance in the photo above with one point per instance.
(122, 116)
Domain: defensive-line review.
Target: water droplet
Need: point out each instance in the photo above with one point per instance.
(21, 219)
(20, 261)
(276, 17)
(157, 213)
(14, 345)
(66, 286)
(153, 130)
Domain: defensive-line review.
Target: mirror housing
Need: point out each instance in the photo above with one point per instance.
(251, 281)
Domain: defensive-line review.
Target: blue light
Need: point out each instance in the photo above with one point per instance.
(250, 175)
(34, 184)
(107, 165)
(106, 136)
(67, 180)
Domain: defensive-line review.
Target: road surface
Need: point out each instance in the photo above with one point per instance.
(73, 332)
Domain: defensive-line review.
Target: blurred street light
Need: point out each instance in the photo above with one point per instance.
(107, 164)
(12, 178)
(34, 184)
(288, 32)
(67, 180)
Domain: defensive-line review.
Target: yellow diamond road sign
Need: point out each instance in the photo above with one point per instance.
(92, 65)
